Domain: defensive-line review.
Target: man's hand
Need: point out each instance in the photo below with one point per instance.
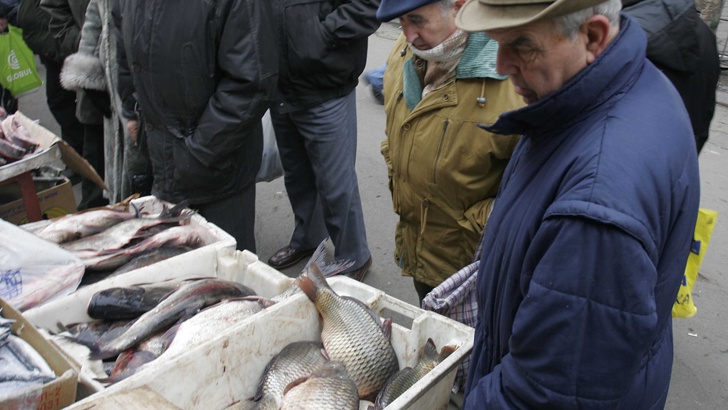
(3, 24)
(133, 127)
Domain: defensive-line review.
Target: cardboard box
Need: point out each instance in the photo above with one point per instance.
(53, 150)
(56, 200)
(57, 394)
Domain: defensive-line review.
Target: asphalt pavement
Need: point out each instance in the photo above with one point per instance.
(700, 371)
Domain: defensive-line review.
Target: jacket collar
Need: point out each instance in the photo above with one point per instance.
(612, 73)
(478, 61)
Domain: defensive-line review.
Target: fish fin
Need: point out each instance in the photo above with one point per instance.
(430, 350)
(294, 384)
(261, 383)
(337, 267)
(101, 353)
(175, 210)
(445, 352)
(318, 257)
(387, 328)
(325, 354)
(307, 286)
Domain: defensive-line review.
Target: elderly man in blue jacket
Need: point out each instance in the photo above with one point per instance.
(588, 239)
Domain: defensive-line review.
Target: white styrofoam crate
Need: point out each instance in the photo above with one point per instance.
(222, 262)
(226, 369)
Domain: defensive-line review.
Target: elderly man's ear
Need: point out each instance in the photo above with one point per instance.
(598, 34)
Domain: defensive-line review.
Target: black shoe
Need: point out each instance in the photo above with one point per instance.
(360, 273)
(288, 256)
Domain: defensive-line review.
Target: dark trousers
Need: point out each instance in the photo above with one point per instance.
(93, 152)
(234, 215)
(62, 104)
(422, 290)
(318, 153)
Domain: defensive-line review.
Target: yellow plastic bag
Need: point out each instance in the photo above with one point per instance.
(684, 306)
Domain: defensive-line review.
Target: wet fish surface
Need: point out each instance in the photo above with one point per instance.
(407, 377)
(295, 361)
(75, 226)
(184, 303)
(352, 334)
(328, 388)
(129, 302)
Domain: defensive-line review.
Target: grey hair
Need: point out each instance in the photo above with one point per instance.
(447, 6)
(569, 24)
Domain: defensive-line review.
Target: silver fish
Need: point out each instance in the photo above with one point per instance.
(352, 334)
(407, 377)
(193, 236)
(328, 388)
(75, 226)
(182, 304)
(122, 233)
(295, 361)
(213, 320)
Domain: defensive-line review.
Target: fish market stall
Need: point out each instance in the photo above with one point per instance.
(220, 262)
(224, 370)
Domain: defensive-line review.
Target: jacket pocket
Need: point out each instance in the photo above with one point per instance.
(191, 174)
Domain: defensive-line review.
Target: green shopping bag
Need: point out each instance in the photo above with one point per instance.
(18, 73)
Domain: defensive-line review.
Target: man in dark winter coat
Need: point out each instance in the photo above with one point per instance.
(323, 48)
(587, 243)
(202, 75)
(684, 48)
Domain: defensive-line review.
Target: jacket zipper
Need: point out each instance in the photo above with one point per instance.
(439, 150)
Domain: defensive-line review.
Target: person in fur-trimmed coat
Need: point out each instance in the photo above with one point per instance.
(67, 19)
(93, 71)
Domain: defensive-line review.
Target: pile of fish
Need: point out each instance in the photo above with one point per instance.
(137, 324)
(354, 361)
(21, 366)
(115, 240)
(15, 141)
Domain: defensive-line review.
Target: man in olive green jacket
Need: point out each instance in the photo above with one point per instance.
(444, 170)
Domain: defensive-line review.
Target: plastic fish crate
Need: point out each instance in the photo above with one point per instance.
(240, 266)
(226, 370)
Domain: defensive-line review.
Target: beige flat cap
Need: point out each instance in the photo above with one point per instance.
(482, 15)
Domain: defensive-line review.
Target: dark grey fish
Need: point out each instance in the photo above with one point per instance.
(129, 302)
(184, 303)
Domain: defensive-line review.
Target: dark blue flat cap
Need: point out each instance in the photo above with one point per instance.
(391, 9)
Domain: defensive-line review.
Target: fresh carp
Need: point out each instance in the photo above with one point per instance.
(296, 361)
(129, 302)
(214, 320)
(352, 334)
(75, 226)
(182, 304)
(328, 388)
(407, 377)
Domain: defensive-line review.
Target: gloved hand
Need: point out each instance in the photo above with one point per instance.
(100, 100)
